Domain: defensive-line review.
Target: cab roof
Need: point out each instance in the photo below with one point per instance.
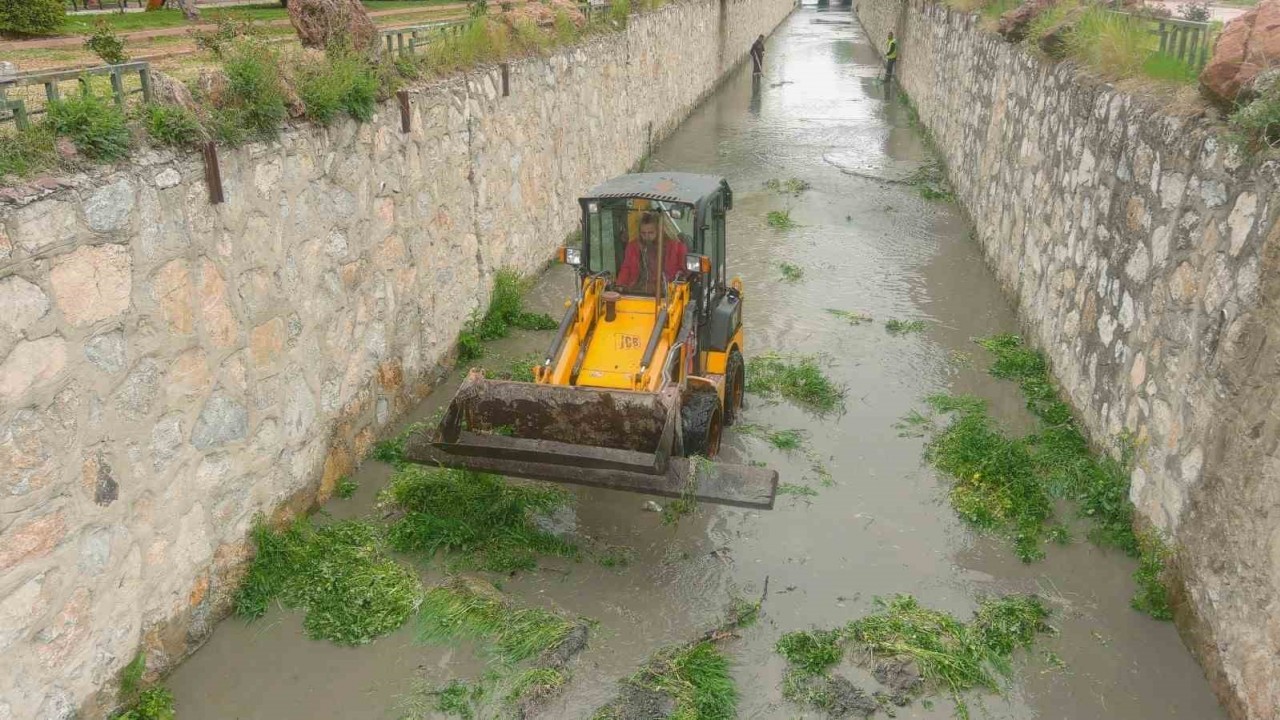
(677, 187)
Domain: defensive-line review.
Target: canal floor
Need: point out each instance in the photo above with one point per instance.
(867, 244)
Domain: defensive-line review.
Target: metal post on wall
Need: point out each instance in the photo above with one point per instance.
(212, 173)
(405, 117)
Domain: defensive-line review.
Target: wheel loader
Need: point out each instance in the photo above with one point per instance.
(646, 367)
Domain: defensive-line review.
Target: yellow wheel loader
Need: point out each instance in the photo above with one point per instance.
(646, 367)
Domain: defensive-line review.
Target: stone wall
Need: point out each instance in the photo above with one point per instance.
(1143, 252)
(169, 369)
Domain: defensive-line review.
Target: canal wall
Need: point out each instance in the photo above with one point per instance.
(1142, 250)
(171, 368)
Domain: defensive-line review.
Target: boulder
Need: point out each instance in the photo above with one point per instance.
(323, 23)
(166, 90)
(1247, 46)
(1015, 23)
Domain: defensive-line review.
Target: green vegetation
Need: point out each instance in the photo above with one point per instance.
(615, 556)
(475, 520)
(780, 219)
(850, 316)
(506, 310)
(252, 105)
(687, 503)
(346, 488)
(155, 703)
(520, 369)
(950, 655)
(930, 180)
(1258, 121)
(1008, 485)
(96, 126)
(474, 611)
(534, 684)
(790, 272)
(457, 699)
(29, 151)
(785, 440)
(106, 44)
(790, 186)
(798, 490)
(343, 82)
(392, 451)
(904, 327)
(31, 17)
(172, 125)
(1152, 596)
(798, 378)
(339, 574)
(696, 677)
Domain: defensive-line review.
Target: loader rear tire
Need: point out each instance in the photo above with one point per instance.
(735, 383)
(700, 424)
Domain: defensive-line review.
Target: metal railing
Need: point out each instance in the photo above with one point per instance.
(120, 76)
(1187, 40)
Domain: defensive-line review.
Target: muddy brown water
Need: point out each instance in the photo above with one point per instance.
(866, 244)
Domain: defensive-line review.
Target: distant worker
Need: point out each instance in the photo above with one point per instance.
(640, 261)
(757, 57)
(890, 58)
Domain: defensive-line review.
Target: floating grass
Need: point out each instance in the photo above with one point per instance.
(477, 521)
(475, 611)
(785, 440)
(904, 327)
(615, 556)
(791, 186)
(850, 316)
(780, 219)
(346, 488)
(339, 574)
(696, 677)
(798, 378)
(950, 655)
(798, 490)
(791, 272)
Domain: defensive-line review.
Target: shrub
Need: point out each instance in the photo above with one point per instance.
(29, 151)
(342, 82)
(106, 44)
(31, 17)
(172, 125)
(1113, 44)
(95, 126)
(1259, 120)
(1195, 11)
(231, 26)
(254, 98)
(619, 11)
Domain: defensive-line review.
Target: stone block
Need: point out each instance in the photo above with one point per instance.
(106, 351)
(219, 321)
(92, 283)
(27, 540)
(31, 366)
(222, 420)
(108, 209)
(172, 290)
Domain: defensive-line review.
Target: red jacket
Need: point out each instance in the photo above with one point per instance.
(673, 263)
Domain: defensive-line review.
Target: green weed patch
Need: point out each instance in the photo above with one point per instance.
(797, 490)
(780, 219)
(346, 488)
(520, 369)
(785, 440)
(904, 327)
(155, 703)
(791, 272)
(475, 520)
(506, 311)
(850, 316)
(339, 574)
(949, 655)
(392, 451)
(790, 186)
(463, 610)
(1007, 484)
(95, 126)
(695, 676)
(798, 378)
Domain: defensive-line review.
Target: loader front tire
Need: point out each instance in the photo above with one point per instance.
(700, 424)
(735, 383)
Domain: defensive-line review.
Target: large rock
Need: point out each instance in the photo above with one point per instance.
(93, 283)
(325, 23)
(166, 90)
(1015, 23)
(1247, 46)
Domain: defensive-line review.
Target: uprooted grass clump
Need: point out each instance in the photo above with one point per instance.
(520, 369)
(904, 327)
(339, 574)
(472, 610)
(477, 521)
(694, 678)
(944, 653)
(798, 378)
(780, 219)
(786, 440)
(506, 310)
(850, 316)
(391, 451)
(790, 271)
(1008, 484)
(790, 186)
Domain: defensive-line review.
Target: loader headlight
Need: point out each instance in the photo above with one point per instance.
(571, 256)
(697, 263)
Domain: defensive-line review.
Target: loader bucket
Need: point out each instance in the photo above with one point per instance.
(604, 438)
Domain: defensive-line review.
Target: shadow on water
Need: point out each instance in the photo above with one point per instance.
(866, 244)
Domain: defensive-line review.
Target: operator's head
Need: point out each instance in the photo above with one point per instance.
(649, 228)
